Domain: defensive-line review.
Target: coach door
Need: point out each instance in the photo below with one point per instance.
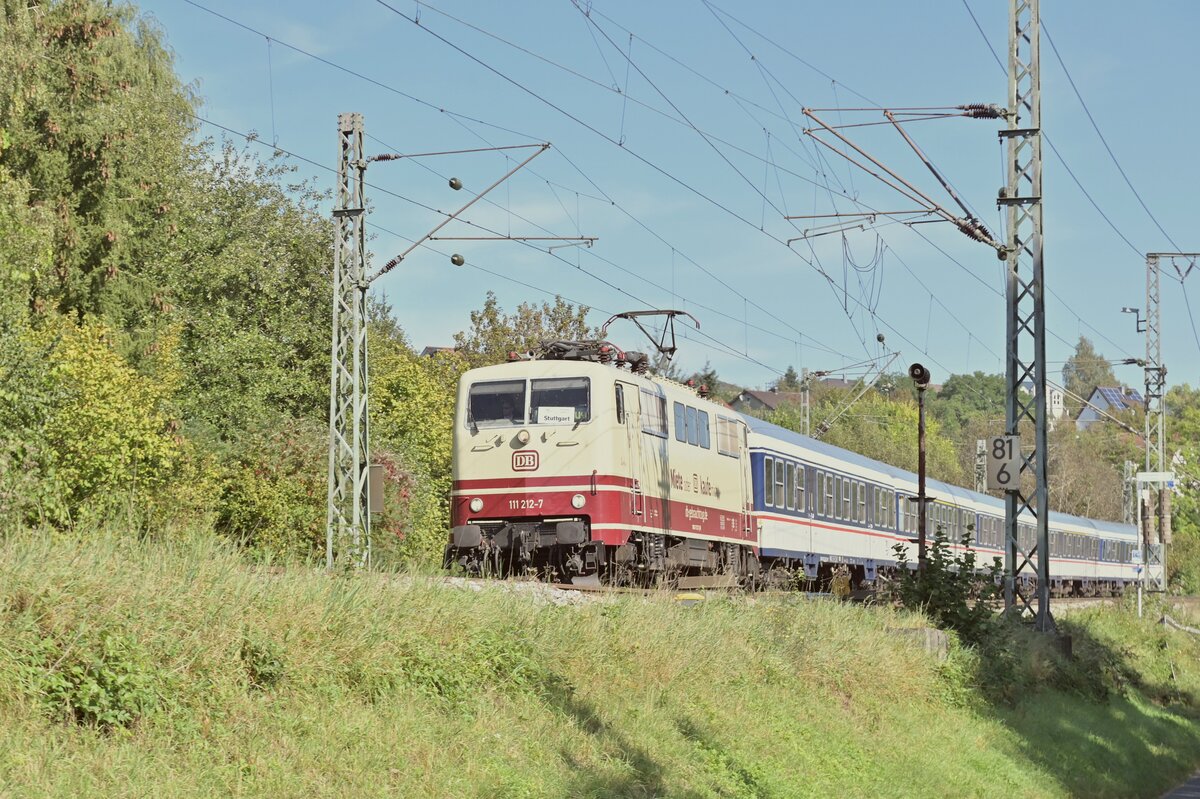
(630, 457)
(747, 498)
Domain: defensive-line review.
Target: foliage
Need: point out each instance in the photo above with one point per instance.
(273, 491)
(1084, 371)
(98, 430)
(98, 123)
(98, 678)
(413, 414)
(1087, 469)
(878, 427)
(948, 590)
(263, 659)
(790, 381)
(964, 398)
(494, 333)
(248, 278)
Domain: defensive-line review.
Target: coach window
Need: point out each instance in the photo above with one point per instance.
(497, 404)
(790, 483)
(847, 501)
(691, 424)
(769, 481)
(862, 503)
(702, 429)
(836, 504)
(680, 423)
(620, 404)
(654, 413)
(780, 493)
(800, 493)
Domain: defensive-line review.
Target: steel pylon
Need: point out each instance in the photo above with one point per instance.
(1026, 319)
(348, 524)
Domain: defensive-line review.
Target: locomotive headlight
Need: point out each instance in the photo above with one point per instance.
(476, 505)
(523, 437)
(578, 501)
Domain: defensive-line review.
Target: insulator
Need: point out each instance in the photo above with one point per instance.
(982, 111)
(605, 353)
(703, 392)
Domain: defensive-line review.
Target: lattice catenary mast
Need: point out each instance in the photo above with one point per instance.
(352, 498)
(1026, 314)
(348, 522)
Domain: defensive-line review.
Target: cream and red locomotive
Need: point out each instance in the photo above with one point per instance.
(578, 465)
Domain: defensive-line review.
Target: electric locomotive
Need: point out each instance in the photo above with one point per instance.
(575, 464)
(579, 466)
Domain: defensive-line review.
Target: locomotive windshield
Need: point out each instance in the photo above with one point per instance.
(498, 404)
(563, 400)
(560, 400)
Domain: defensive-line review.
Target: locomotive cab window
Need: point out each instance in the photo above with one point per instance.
(560, 400)
(654, 413)
(727, 437)
(497, 404)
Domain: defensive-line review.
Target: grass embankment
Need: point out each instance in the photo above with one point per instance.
(177, 670)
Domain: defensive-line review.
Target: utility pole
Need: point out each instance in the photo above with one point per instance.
(1026, 313)
(350, 499)
(348, 521)
(981, 466)
(1156, 378)
(805, 406)
(1158, 500)
(920, 376)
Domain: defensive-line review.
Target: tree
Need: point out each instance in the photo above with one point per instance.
(412, 415)
(879, 428)
(248, 277)
(1085, 370)
(493, 333)
(790, 381)
(98, 123)
(964, 398)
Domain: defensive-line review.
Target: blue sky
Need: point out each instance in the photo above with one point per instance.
(678, 141)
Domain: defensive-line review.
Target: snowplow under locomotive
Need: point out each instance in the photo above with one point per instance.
(577, 465)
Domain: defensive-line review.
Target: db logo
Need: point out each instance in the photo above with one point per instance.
(525, 460)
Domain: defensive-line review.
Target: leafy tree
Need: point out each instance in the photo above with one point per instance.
(413, 400)
(248, 279)
(1085, 370)
(493, 333)
(879, 428)
(967, 397)
(108, 428)
(98, 123)
(708, 377)
(1087, 469)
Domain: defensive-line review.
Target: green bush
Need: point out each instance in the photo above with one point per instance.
(949, 590)
(101, 679)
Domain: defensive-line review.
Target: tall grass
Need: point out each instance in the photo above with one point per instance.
(253, 681)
